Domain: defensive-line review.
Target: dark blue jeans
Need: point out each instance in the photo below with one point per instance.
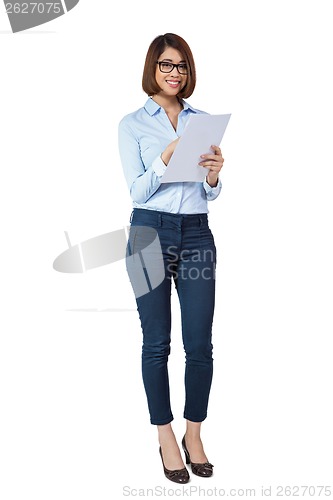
(189, 259)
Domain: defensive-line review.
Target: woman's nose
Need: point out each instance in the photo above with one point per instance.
(175, 73)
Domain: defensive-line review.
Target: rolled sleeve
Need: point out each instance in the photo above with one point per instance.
(159, 166)
(212, 192)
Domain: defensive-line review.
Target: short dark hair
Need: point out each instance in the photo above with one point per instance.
(156, 48)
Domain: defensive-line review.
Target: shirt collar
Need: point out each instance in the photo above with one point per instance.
(152, 107)
(187, 106)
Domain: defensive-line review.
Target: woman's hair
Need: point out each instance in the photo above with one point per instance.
(156, 48)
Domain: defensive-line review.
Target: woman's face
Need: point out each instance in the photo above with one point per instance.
(170, 83)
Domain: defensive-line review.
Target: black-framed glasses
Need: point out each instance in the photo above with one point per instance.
(167, 67)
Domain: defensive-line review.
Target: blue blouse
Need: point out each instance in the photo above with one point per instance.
(143, 136)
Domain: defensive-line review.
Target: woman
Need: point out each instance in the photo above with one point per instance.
(177, 213)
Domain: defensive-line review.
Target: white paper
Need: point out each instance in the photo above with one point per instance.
(201, 131)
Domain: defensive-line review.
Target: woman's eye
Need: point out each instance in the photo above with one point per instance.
(166, 65)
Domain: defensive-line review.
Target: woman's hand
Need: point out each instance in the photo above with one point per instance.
(214, 163)
(168, 152)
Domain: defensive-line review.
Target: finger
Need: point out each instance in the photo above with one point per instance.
(216, 149)
(213, 168)
(217, 160)
(212, 157)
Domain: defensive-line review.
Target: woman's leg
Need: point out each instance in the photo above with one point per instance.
(170, 451)
(195, 285)
(196, 291)
(145, 256)
(155, 315)
(194, 443)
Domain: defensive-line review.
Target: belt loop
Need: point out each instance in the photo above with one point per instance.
(131, 217)
(200, 219)
(160, 220)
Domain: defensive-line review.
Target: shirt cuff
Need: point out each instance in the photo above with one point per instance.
(212, 192)
(159, 166)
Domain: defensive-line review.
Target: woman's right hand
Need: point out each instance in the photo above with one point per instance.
(168, 152)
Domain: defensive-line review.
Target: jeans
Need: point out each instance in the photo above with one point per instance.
(189, 259)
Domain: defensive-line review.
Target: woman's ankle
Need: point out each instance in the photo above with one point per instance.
(165, 433)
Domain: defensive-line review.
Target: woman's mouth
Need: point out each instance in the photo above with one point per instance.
(173, 83)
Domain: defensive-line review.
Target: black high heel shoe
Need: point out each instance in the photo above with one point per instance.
(202, 470)
(180, 476)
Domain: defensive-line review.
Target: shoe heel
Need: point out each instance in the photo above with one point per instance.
(187, 455)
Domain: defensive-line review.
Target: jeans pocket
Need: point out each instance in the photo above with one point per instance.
(207, 241)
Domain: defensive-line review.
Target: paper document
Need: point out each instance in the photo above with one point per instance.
(201, 131)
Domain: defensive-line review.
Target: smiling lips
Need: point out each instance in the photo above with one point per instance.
(173, 83)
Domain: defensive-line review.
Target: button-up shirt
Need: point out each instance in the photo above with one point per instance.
(143, 136)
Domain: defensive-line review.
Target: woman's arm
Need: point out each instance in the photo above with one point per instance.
(168, 152)
(142, 183)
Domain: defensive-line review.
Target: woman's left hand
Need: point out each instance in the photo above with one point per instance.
(214, 163)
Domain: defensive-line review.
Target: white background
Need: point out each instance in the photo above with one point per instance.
(74, 419)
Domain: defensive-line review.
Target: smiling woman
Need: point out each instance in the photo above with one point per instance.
(178, 213)
(170, 49)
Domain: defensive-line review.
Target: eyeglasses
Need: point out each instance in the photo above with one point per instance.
(167, 67)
